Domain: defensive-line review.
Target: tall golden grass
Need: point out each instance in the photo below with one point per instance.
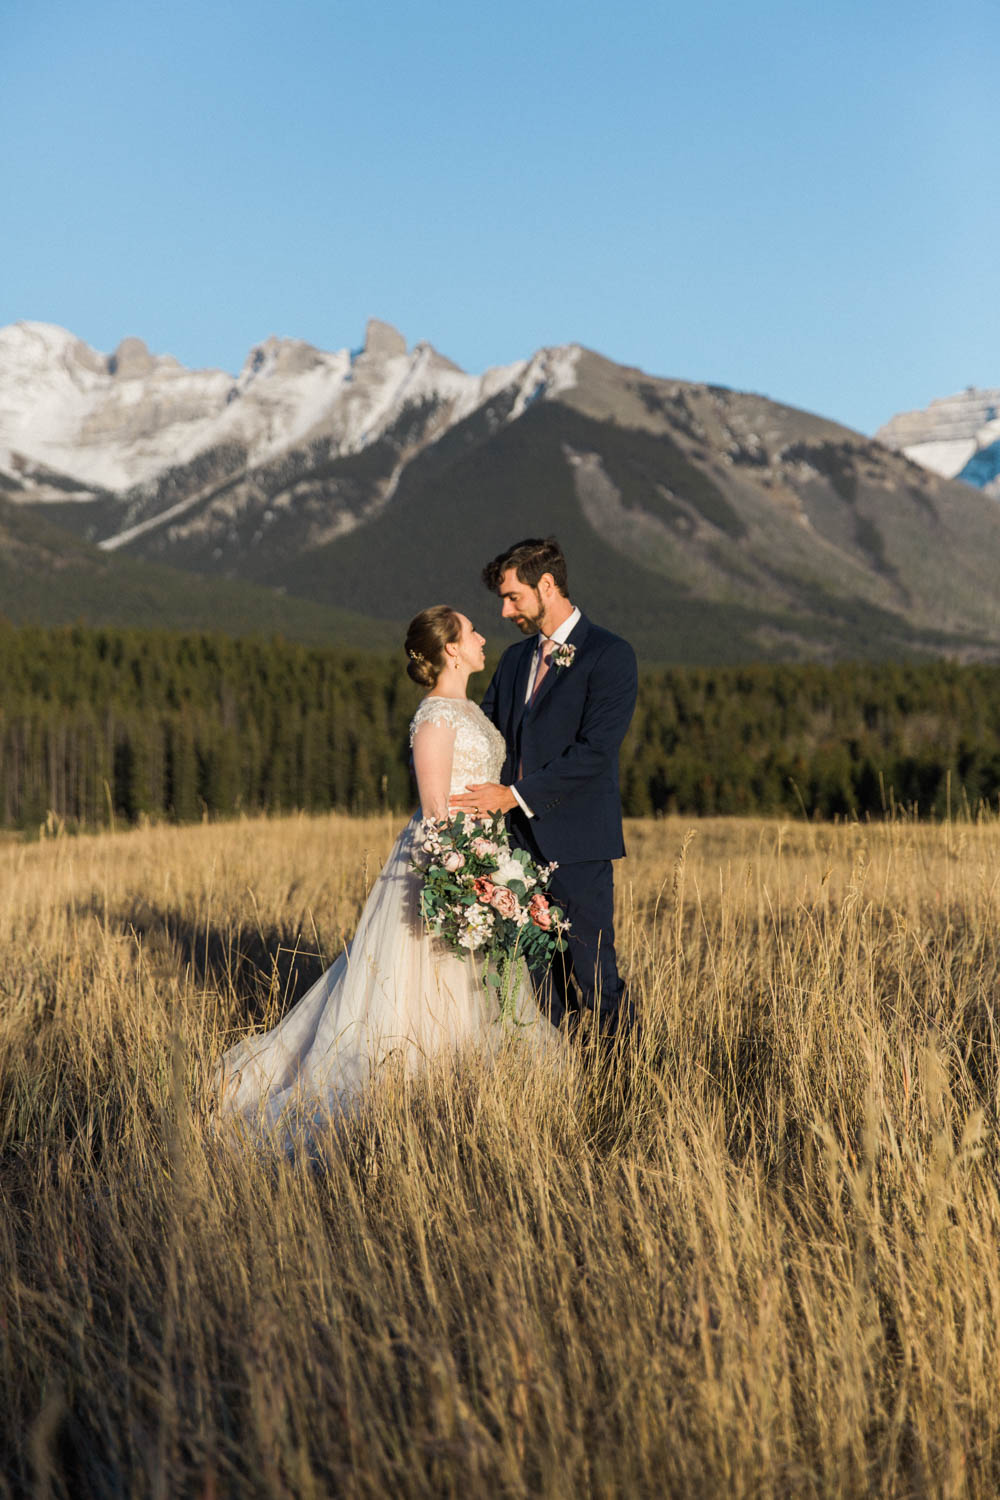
(758, 1256)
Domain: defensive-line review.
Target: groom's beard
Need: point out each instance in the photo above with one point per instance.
(529, 624)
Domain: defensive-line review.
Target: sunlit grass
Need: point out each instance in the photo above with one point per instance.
(757, 1257)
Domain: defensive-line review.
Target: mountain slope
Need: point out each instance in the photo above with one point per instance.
(691, 573)
(50, 578)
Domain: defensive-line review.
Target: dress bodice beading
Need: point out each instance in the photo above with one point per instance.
(479, 746)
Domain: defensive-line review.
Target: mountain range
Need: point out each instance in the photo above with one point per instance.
(331, 495)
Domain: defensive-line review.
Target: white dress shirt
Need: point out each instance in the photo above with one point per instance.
(560, 635)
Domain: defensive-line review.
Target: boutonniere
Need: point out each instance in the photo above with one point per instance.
(564, 655)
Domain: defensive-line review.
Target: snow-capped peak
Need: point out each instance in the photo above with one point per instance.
(956, 436)
(116, 420)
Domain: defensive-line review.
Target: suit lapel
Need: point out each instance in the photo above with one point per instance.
(576, 638)
(521, 680)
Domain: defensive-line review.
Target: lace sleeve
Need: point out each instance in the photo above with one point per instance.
(444, 711)
(432, 737)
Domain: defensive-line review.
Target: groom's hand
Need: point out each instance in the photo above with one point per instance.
(482, 797)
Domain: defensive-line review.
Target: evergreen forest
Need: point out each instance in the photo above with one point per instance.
(102, 726)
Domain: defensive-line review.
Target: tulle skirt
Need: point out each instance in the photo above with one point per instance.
(395, 998)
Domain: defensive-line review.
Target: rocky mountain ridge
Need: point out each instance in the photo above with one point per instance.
(117, 421)
(957, 437)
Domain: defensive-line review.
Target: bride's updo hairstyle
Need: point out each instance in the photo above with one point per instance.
(426, 637)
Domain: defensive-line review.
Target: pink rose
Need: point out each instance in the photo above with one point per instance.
(504, 902)
(483, 887)
(453, 860)
(483, 848)
(538, 911)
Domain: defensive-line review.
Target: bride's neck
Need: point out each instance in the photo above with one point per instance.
(450, 685)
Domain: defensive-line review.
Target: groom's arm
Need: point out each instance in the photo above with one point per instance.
(610, 703)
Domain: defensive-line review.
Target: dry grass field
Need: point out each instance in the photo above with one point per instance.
(759, 1257)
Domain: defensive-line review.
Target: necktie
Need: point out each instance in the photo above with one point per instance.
(543, 666)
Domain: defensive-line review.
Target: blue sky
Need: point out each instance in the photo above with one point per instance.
(797, 199)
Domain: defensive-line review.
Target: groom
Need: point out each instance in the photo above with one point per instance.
(563, 700)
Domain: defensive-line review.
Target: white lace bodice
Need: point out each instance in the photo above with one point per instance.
(479, 746)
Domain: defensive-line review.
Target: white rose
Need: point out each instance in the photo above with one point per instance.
(508, 870)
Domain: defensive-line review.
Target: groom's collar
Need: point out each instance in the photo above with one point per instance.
(562, 632)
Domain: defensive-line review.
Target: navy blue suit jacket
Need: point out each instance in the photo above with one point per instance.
(567, 741)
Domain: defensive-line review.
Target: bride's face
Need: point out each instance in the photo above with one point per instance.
(470, 647)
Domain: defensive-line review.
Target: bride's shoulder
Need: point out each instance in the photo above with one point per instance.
(451, 712)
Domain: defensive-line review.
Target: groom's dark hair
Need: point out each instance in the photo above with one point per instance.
(529, 559)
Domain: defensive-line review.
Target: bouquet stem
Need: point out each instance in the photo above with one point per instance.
(508, 967)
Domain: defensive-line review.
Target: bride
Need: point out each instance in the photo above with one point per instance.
(397, 992)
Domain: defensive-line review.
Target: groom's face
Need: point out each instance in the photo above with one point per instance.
(520, 603)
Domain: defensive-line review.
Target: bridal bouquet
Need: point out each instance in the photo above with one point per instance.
(480, 895)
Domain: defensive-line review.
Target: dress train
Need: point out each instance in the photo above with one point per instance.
(397, 996)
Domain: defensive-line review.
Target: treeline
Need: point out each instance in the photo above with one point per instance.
(101, 725)
(842, 741)
(98, 725)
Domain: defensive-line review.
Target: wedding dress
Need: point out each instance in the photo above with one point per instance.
(397, 993)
